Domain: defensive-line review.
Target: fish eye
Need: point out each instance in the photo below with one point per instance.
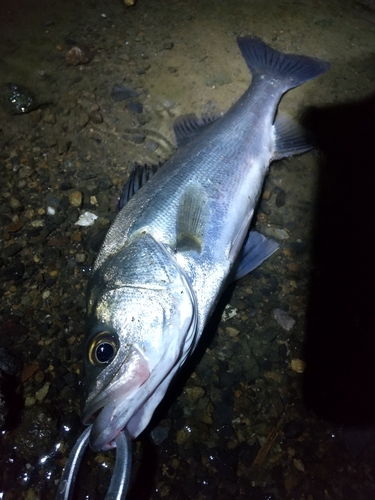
(103, 349)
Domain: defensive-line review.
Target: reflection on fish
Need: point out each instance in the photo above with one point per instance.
(177, 242)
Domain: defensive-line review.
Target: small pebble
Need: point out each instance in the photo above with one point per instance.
(80, 258)
(152, 146)
(232, 332)
(298, 365)
(285, 321)
(42, 393)
(96, 117)
(229, 313)
(15, 204)
(78, 55)
(86, 219)
(167, 45)
(12, 249)
(75, 199)
(83, 119)
(121, 93)
(50, 118)
(194, 393)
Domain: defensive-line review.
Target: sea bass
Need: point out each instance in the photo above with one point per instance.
(178, 241)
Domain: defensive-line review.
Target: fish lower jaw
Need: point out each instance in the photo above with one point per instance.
(104, 429)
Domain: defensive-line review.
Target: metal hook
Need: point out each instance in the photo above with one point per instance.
(121, 473)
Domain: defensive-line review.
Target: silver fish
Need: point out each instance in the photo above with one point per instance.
(178, 241)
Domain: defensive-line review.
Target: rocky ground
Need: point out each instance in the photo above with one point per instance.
(278, 401)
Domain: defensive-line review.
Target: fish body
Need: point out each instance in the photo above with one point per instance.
(178, 241)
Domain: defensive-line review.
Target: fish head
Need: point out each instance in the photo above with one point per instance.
(142, 323)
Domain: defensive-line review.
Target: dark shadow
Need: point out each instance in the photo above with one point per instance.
(340, 347)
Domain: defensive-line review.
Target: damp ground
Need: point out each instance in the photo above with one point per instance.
(277, 403)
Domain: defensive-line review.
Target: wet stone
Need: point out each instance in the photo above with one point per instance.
(227, 379)
(64, 204)
(194, 393)
(267, 334)
(83, 119)
(285, 321)
(96, 117)
(44, 354)
(36, 432)
(50, 117)
(12, 249)
(161, 432)
(52, 200)
(136, 107)
(15, 204)
(121, 93)
(78, 55)
(265, 208)
(75, 199)
(8, 364)
(17, 99)
(14, 272)
(14, 227)
(72, 214)
(138, 138)
(280, 198)
(152, 146)
(12, 328)
(168, 46)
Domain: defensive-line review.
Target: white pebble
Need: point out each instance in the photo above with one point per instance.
(86, 219)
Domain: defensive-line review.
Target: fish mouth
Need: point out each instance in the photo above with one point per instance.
(129, 400)
(105, 429)
(109, 407)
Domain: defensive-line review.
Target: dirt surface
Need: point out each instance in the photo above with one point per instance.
(278, 402)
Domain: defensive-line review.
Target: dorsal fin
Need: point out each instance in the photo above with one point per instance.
(137, 178)
(186, 127)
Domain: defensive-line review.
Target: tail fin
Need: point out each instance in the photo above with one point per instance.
(292, 68)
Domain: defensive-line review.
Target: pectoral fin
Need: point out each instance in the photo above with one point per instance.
(191, 219)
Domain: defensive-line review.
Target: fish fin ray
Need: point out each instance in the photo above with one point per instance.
(290, 138)
(256, 249)
(138, 177)
(187, 127)
(191, 219)
(293, 69)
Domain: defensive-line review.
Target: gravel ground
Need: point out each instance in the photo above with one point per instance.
(278, 402)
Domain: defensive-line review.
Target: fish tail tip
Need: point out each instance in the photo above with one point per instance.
(292, 69)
